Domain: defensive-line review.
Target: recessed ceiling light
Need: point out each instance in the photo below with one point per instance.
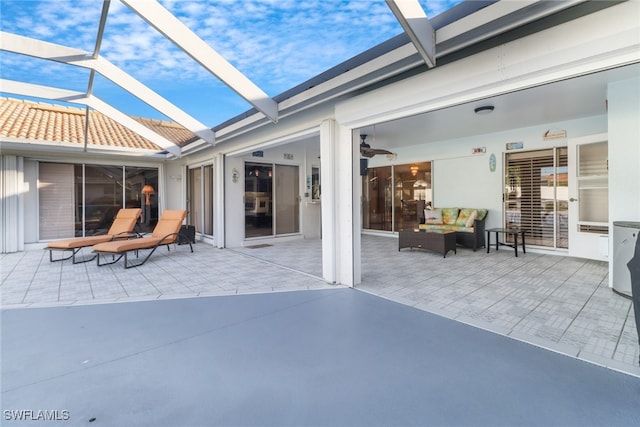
(485, 109)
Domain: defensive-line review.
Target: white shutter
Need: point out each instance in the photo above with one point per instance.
(56, 200)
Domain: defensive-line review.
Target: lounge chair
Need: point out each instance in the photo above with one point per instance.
(165, 233)
(122, 228)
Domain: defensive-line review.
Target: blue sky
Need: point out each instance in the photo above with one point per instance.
(275, 43)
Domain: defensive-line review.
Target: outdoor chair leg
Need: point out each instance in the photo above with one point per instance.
(114, 260)
(73, 253)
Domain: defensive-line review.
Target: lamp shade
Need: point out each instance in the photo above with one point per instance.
(148, 189)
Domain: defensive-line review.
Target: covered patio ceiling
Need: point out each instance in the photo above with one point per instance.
(571, 99)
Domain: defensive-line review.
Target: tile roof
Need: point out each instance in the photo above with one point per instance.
(29, 120)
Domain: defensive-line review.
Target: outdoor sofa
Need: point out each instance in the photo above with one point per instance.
(468, 223)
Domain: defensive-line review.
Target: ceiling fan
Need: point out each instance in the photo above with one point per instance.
(367, 151)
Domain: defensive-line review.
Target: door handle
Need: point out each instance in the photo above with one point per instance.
(573, 200)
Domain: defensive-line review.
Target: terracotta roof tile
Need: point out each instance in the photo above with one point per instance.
(30, 120)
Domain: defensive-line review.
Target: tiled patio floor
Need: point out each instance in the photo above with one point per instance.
(560, 303)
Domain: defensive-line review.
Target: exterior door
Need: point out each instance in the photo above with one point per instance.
(589, 197)
(258, 200)
(287, 199)
(200, 199)
(536, 196)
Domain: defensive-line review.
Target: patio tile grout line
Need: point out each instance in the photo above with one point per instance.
(541, 302)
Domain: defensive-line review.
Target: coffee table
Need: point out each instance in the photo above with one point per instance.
(434, 240)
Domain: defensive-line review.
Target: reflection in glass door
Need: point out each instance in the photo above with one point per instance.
(394, 196)
(258, 202)
(287, 200)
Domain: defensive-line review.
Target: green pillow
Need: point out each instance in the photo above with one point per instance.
(463, 216)
(449, 215)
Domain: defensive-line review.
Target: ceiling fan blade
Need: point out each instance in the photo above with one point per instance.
(367, 152)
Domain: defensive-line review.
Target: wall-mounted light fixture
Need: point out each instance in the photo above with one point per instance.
(485, 109)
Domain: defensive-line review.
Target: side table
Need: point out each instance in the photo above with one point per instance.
(508, 231)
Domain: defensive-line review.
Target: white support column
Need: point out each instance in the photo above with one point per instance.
(11, 204)
(340, 223)
(219, 201)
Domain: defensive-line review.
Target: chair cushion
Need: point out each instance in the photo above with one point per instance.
(125, 221)
(78, 242)
(169, 223)
(119, 246)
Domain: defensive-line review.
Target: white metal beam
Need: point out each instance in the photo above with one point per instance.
(66, 55)
(417, 26)
(173, 29)
(45, 92)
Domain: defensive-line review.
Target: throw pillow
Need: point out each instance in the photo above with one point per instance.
(449, 215)
(471, 219)
(463, 216)
(432, 216)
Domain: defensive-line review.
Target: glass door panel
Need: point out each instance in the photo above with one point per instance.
(200, 199)
(562, 198)
(412, 184)
(207, 200)
(194, 201)
(141, 191)
(377, 199)
(258, 202)
(287, 199)
(593, 187)
(536, 196)
(103, 196)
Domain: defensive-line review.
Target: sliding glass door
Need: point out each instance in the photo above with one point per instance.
(82, 200)
(258, 200)
(200, 199)
(393, 195)
(272, 199)
(287, 199)
(536, 196)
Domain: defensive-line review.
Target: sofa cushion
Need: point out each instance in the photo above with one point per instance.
(464, 215)
(446, 227)
(482, 213)
(433, 216)
(449, 215)
(472, 218)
